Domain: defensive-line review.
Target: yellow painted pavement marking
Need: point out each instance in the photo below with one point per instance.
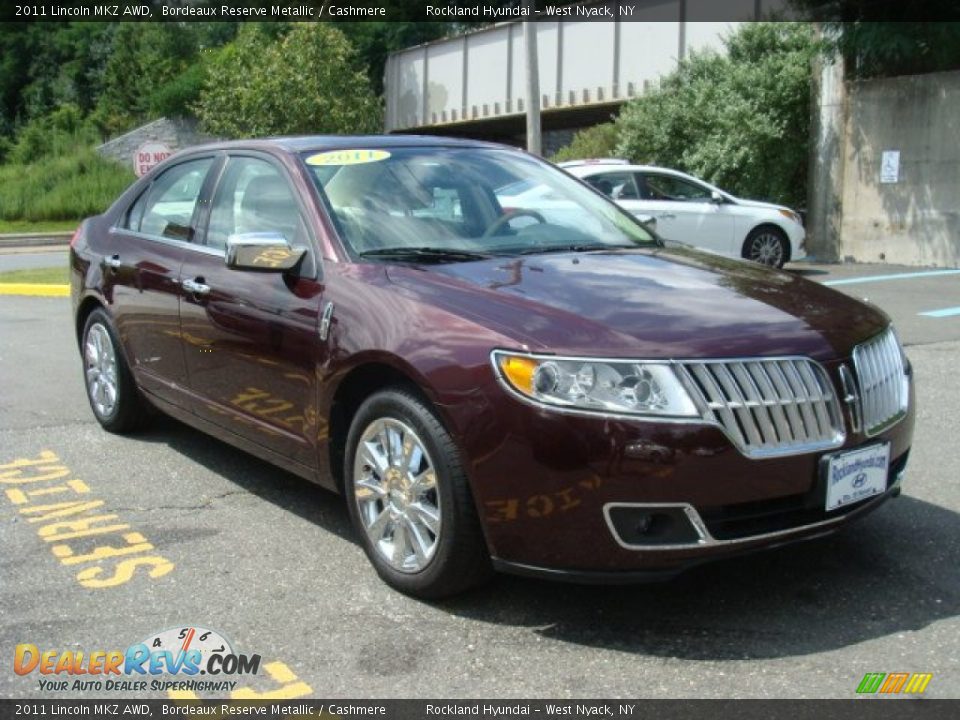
(35, 289)
(291, 687)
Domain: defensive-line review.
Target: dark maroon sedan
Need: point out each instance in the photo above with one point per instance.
(496, 366)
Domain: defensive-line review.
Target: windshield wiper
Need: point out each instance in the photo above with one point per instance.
(579, 247)
(426, 253)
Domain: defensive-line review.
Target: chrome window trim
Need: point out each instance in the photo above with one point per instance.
(754, 454)
(172, 242)
(707, 540)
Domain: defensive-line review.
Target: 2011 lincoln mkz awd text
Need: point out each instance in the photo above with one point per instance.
(544, 390)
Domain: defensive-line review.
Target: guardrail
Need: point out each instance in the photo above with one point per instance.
(18, 240)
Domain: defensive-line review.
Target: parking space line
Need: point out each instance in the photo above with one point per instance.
(945, 312)
(895, 276)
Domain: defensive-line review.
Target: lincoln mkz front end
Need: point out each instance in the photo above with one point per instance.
(630, 468)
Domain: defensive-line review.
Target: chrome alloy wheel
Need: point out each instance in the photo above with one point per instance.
(766, 248)
(100, 365)
(395, 488)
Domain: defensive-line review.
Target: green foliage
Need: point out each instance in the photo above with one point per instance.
(153, 69)
(884, 49)
(174, 98)
(59, 133)
(740, 120)
(599, 141)
(62, 187)
(308, 81)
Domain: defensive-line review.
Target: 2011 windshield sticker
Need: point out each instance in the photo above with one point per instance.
(71, 521)
(347, 157)
(185, 651)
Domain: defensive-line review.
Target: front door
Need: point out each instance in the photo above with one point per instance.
(686, 213)
(250, 338)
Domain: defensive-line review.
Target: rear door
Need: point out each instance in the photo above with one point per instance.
(250, 338)
(141, 262)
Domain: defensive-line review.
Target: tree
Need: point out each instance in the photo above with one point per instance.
(593, 142)
(883, 38)
(308, 81)
(739, 120)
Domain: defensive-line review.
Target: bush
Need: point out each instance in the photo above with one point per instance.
(598, 141)
(308, 81)
(740, 120)
(64, 187)
(59, 133)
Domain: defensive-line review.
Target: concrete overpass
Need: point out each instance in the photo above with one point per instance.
(474, 84)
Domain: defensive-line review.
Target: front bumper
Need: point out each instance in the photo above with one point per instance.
(549, 488)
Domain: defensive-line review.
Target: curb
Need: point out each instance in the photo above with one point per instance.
(35, 289)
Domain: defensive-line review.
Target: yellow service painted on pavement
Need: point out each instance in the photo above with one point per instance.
(61, 507)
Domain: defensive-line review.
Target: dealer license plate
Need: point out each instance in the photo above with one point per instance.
(856, 475)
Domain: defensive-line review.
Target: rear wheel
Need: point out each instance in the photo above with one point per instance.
(114, 398)
(767, 246)
(409, 498)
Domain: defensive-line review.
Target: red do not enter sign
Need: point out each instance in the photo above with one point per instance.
(148, 156)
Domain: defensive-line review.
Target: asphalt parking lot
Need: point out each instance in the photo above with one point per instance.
(270, 561)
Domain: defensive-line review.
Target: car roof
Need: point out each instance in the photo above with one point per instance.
(307, 143)
(588, 167)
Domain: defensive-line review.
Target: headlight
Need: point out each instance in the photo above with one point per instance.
(791, 215)
(612, 386)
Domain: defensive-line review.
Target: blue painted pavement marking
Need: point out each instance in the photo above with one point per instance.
(896, 276)
(946, 312)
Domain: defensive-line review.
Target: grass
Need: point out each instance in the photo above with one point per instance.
(61, 188)
(45, 276)
(37, 226)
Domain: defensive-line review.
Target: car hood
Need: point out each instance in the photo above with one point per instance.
(665, 303)
(760, 204)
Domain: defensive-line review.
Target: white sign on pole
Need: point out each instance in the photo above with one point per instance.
(148, 156)
(890, 166)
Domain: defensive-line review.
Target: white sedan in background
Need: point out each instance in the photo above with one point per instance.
(692, 211)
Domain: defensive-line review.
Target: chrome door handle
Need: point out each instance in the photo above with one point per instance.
(667, 216)
(196, 287)
(113, 262)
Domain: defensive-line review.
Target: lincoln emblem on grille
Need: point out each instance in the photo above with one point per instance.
(850, 397)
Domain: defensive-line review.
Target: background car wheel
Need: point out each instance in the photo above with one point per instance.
(409, 498)
(767, 246)
(114, 398)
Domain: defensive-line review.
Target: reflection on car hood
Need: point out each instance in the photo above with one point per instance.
(671, 303)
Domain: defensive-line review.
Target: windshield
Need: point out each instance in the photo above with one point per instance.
(428, 203)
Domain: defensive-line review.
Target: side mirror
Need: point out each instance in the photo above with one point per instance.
(716, 198)
(649, 222)
(265, 251)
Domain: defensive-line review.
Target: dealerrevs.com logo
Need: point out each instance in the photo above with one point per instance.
(186, 652)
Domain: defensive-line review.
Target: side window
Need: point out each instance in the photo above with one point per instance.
(166, 209)
(668, 187)
(615, 185)
(253, 196)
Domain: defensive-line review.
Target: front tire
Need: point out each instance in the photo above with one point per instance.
(409, 498)
(768, 246)
(114, 398)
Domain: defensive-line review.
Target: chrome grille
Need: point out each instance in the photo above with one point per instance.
(883, 387)
(768, 406)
